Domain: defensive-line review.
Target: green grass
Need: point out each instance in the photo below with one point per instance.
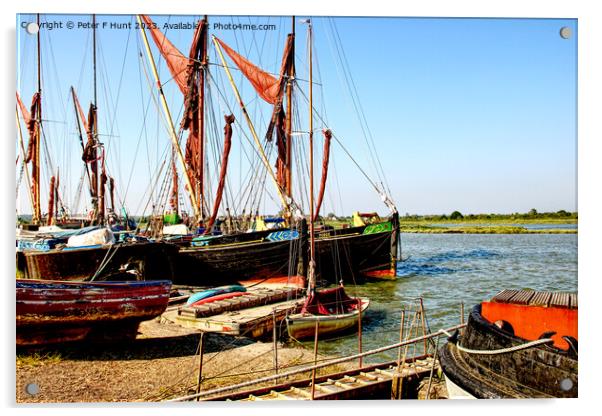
(37, 359)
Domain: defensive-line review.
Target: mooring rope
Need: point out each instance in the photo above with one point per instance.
(514, 348)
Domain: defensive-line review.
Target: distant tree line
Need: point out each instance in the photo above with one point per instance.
(457, 215)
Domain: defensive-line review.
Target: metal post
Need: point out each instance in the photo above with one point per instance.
(398, 385)
(428, 390)
(200, 379)
(313, 372)
(423, 323)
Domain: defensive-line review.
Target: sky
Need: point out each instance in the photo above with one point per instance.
(475, 115)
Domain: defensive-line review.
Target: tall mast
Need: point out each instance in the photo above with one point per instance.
(35, 174)
(172, 130)
(289, 116)
(201, 185)
(312, 242)
(98, 181)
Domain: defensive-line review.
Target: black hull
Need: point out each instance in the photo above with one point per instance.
(536, 372)
(151, 261)
(344, 254)
(215, 265)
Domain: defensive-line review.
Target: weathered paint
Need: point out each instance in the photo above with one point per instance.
(56, 311)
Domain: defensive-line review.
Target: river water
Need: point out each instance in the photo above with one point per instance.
(447, 269)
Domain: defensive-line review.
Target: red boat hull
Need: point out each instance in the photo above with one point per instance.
(55, 311)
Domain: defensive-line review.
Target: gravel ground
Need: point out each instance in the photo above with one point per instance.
(161, 363)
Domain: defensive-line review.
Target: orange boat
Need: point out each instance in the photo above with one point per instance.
(521, 344)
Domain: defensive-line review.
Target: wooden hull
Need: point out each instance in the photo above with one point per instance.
(537, 372)
(303, 326)
(55, 311)
(233, 262)
(351, 254)
(149, 260)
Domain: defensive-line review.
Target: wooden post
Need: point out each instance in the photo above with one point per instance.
(359, 333)
(200, 379)
(275, 341)
(313, 372)
(423, 322)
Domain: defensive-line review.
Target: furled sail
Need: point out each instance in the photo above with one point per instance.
(185, 72)
(222, 176)
(325, 157)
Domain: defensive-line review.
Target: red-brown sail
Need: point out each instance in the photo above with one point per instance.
(222, 176)
(325, 158)
(176, 62)
(24, 112)
(266, 85)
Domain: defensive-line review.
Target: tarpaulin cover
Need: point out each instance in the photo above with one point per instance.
(329, 302)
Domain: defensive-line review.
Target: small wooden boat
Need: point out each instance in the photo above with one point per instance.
(58, 311)
(332, 309)
(209, 293)
(521, 344)
(217, 298)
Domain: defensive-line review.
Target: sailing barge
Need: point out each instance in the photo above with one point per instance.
(366, 250)
(521, 344)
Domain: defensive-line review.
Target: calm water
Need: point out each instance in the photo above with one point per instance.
(447, 269)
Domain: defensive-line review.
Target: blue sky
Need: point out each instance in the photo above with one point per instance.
(477, 115)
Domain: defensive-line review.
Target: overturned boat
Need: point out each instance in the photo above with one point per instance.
(521, 344)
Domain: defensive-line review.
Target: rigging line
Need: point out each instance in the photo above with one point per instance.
(344, 79)
(238, 124)
(347, 152)
(361, 110)
(111, 129)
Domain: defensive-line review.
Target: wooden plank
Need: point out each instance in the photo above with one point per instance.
(522, 297)
(541, 299)
(573, 299)
(504, 296)
(560, 300)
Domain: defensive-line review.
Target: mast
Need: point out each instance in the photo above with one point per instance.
(201, 183)
(312, 242)
(103, 177)
(289, 116)
(172, 130)
(35, 174)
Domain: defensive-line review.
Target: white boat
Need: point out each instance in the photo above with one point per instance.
(332, 310)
